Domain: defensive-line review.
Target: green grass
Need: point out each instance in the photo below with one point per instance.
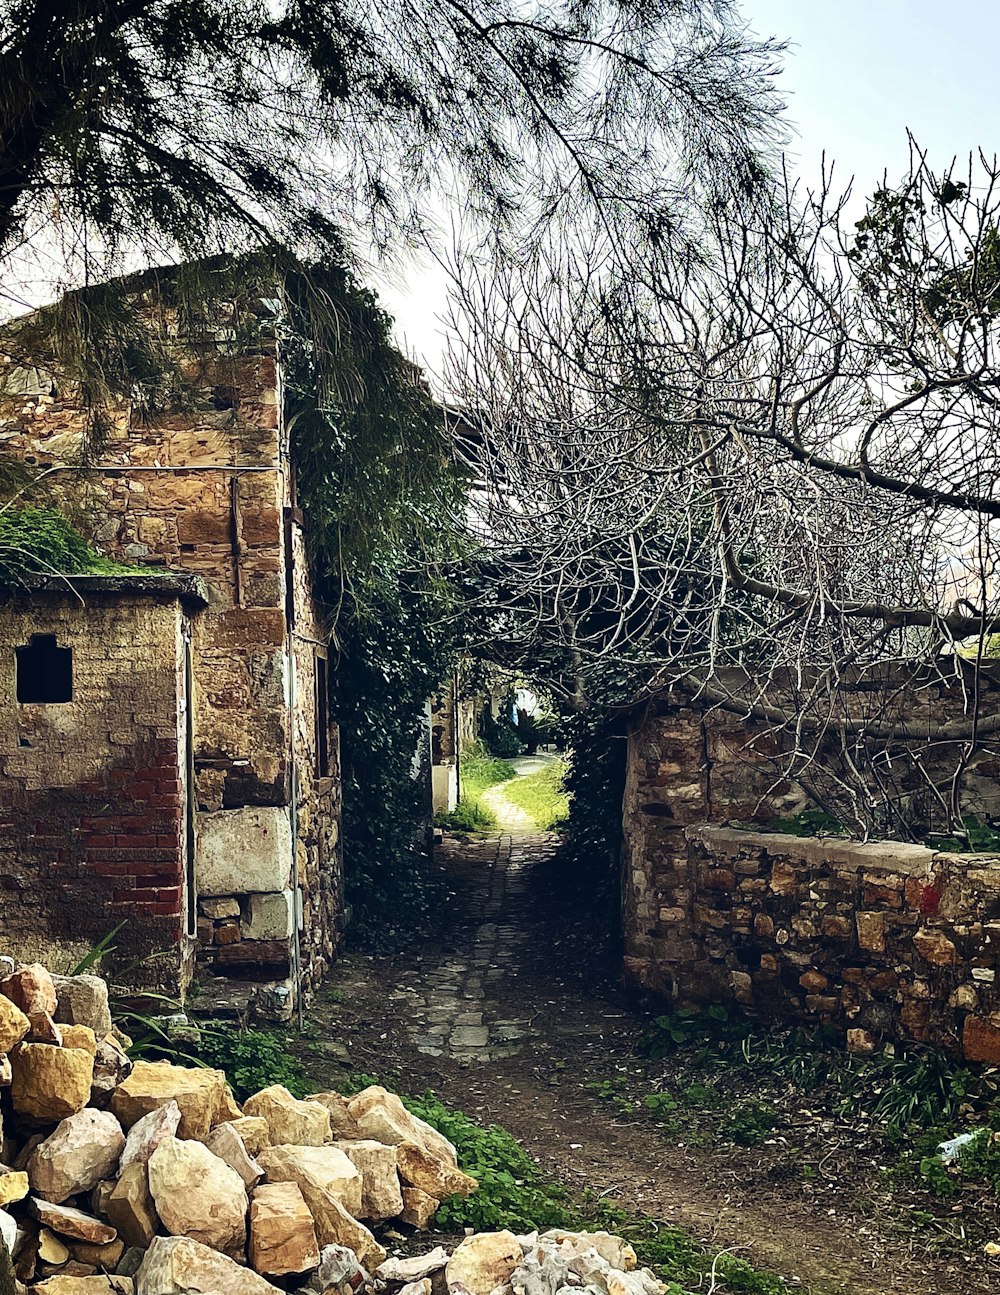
(477, 773)
(542, 794)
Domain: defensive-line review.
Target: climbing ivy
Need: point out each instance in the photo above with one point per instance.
(377, 485)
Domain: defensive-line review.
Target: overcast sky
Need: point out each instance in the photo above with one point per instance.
(857, 75)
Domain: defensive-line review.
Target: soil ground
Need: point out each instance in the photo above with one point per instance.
(516, 1020)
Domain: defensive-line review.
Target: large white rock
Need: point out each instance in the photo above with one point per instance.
(197, 1195)
(84, 1149)
(332, 1189)
(291, 1122)
(8, 1230)
(178, 1265)
(269, 917)
(244, 851)
(225, 1142)
(381, 1116)
(282, 1231)
(83, 1000)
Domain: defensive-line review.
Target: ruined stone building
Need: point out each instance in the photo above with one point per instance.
(167, 758)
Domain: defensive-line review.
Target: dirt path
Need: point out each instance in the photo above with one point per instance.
(488, 1017)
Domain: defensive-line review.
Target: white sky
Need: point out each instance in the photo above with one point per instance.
(858, 74)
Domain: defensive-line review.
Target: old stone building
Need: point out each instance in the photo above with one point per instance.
(167, 758)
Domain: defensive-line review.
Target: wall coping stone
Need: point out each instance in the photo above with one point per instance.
(856, 856)
(188, 588)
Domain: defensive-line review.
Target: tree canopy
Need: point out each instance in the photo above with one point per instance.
(158, 129)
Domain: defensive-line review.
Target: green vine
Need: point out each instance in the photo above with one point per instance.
(377, 485)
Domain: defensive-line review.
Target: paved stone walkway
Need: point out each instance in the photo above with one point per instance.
(453, 993)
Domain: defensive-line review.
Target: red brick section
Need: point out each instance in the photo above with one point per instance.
(140, 847)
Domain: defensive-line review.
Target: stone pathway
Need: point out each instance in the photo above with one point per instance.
(453, 994)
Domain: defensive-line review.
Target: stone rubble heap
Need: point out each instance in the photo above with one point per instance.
(147, 1178)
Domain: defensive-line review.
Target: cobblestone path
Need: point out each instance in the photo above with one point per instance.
(454, 992)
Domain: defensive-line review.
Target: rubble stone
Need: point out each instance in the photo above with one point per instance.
(52, 1249)
(254, 1132)
(436, 1177)
(338, 1269)
(332, 1189)
(84, 1149)
(197, 1195)
(320, 1170)
(181, 1266)
(483, 1262)
(72, 1223)
(202, 1096)
(99, 1284)
(13, 1186)
(282, 1232)
(225, 1142)
(79, 1036)
(381, 1197)
(381, 1115)
(31, 989)
(50, 1083)
(130, 1207)
(414, 1268)
(83, 1000)
(343, 1125)
(418, 1208)
(146, 1134)
(106, 1256)
(290, 1121)
(14, 1025)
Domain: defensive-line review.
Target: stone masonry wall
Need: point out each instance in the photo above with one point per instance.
(91, 822)
(208, 489)
(884, 940)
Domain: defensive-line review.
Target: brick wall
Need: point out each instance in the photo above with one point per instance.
(91, 791)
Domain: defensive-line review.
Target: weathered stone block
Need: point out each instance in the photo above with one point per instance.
(241, 851)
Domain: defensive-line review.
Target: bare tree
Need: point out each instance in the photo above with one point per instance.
(767, 466)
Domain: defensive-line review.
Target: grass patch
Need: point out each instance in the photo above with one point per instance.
(477, 773)
(542, 794)
(40, 541)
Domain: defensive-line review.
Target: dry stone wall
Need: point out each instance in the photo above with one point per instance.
(883, 940)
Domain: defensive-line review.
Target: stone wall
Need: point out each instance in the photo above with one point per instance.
(883, 940)
(207, 488)
(91, 789)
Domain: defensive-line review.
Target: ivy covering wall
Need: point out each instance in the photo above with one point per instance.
(376, 482)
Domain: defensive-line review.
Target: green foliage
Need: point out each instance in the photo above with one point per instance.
(251, 1059)
(467, 817)
(37, 541)
(976, 837)
(749, 1124)
(477, 772)
(811, 822)
(512, 1190)
(542, 795)
(499, 735)
(379, 492)
(902, 1089)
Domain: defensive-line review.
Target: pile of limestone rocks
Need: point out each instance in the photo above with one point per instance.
(147, 1178)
